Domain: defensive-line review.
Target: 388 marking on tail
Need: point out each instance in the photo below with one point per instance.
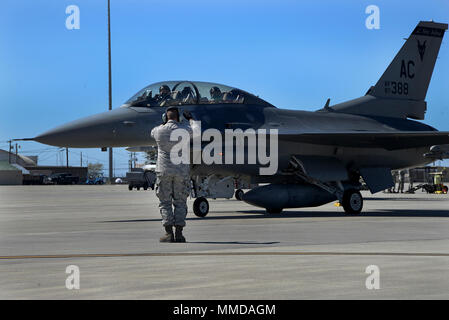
(396, 87)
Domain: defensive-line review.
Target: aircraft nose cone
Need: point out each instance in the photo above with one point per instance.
(64, 136)
(116, 128)
(79, 133)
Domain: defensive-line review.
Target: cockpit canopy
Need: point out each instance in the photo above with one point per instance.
(176, 93)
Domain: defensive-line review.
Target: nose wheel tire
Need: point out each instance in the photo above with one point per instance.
(201, 207)
(352, 202)
(239, 194)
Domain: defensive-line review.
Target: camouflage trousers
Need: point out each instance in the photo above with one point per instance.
(172, 191)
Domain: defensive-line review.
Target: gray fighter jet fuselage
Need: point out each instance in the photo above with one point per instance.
(131, 126)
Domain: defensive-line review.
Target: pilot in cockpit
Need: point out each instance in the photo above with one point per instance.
(215, 94)
(233, 96)
(187, 96)
(163, 96)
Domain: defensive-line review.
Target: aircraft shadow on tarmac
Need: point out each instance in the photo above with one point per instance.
(378, 213)
(234, 242)
(404, 199)
(260, 214)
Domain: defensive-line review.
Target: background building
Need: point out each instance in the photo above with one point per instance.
(19, 169)
(9, 174)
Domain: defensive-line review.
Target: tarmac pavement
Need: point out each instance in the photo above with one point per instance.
(236, 252)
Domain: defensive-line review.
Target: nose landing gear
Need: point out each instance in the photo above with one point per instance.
(352, 202)
(201, 207)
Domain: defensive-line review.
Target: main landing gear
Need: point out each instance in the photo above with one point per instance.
(351, 199)
(352, 202)
(239, 194)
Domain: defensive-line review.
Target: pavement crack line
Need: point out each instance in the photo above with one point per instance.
(199, 254)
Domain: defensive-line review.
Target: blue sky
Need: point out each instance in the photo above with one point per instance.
(294, 54)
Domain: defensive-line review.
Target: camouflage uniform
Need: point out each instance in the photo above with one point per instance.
(172, 189)
(173, 181)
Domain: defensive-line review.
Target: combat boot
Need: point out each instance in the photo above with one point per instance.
(178, 234)
(169, 237)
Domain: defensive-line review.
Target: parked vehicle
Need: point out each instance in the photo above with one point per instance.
(140, 178)
(33, 179)
(95, 180)
(61, 178)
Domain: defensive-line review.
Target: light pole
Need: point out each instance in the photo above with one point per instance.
(9, 153)
(110, 85)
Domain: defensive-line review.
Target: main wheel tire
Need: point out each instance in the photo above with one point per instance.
(130, 187)
(352, 202)
(274, 210)
(201, 207)
(239, 194)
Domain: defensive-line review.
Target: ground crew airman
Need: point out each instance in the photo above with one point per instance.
(173, 180)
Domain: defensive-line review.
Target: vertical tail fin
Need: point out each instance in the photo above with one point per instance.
(401, 90)
(408, 75)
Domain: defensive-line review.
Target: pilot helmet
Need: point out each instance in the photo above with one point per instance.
(186, 91)
(215, 89)
(164, 90)
(215, 92)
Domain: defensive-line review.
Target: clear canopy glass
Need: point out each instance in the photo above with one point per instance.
(175, 93)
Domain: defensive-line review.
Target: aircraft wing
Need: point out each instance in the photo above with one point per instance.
(385, 140)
